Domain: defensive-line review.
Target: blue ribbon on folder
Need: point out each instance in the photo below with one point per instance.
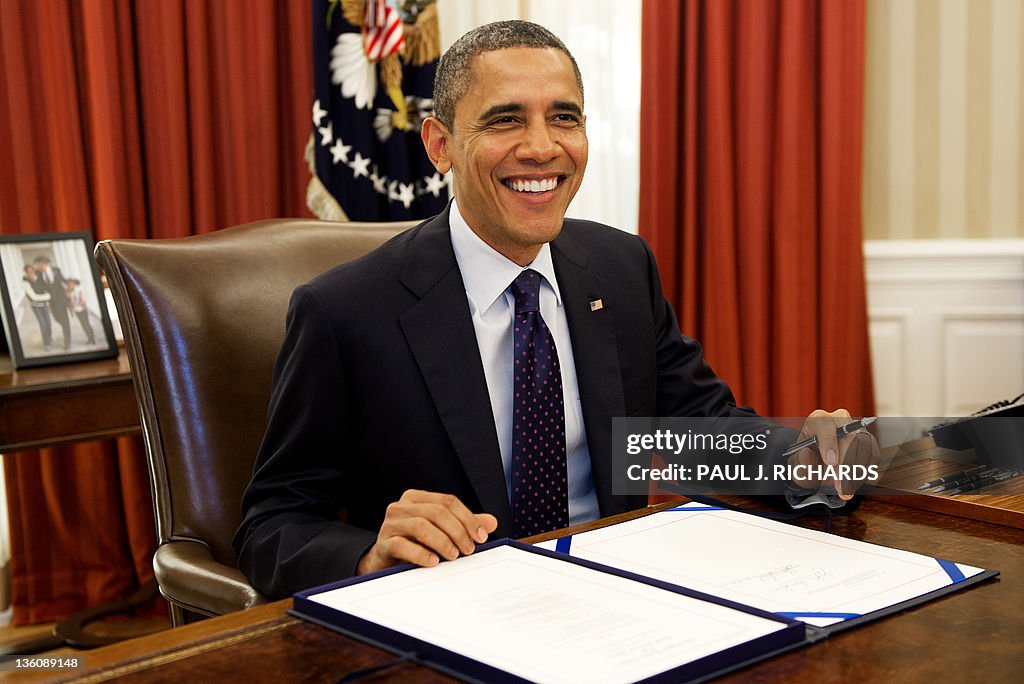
(564, 544)
(951, 569)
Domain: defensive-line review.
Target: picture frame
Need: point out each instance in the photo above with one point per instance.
(54, 306)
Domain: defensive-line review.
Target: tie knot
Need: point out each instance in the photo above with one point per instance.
(526, 289)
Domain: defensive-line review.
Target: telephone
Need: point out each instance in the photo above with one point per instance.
(996, 433)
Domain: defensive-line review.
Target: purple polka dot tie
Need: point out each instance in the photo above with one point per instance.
(540, 490)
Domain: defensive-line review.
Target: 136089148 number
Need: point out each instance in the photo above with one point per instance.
(22, 663)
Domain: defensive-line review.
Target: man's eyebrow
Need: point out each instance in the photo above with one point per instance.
(506, 108)
(513, 108)
(568, 106)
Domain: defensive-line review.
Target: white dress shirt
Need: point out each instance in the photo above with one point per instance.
(487, 276)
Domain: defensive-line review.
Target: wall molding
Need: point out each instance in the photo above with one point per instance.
(970, 262)
(946, 323)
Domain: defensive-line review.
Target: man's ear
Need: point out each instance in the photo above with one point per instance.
(435, 142)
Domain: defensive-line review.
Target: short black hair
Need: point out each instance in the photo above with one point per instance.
(454, 70)
(41, 259)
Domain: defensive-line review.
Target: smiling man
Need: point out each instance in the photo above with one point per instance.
(517, 141)
(460, 381)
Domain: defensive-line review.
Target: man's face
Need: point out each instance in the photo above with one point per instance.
(518, 148)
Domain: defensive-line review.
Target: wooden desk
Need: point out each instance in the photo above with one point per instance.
(67, 403)
(921, 461)
(973, 635)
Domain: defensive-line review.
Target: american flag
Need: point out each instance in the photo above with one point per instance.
(373, 74)
(382, 30)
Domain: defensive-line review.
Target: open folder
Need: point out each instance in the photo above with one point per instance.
(822, 579)
(681, 595)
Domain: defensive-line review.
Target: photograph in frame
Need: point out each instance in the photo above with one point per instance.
(54, 307)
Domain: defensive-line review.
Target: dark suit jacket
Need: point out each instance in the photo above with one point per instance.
(379, 388)
(58, 293)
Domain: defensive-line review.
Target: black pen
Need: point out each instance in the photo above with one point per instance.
(840, 431)
(984, 482)
(949, 478)
(988, 472)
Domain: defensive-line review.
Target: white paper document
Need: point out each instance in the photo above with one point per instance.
(546, 619)
(812, 576)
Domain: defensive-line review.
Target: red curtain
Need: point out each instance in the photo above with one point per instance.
(134, 119)
(751, 116)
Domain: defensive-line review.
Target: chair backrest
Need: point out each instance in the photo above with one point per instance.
(203, 319)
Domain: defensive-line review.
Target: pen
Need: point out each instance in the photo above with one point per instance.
(949, 478)
(984, 482)
(840, 431)
(989, 472)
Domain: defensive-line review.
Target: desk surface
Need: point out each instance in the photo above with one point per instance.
(972, 635)
(65, 403)
(922, 461)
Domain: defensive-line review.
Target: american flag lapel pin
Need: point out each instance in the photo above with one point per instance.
(596, 305)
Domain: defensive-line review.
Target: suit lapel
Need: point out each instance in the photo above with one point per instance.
(595, 349)
(440, 333)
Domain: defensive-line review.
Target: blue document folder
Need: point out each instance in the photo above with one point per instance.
(682, 595)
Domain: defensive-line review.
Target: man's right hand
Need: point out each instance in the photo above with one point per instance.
(423, 527)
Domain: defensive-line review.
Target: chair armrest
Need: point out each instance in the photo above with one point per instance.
(190, 577)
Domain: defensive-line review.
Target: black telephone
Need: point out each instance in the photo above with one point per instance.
(996, 433)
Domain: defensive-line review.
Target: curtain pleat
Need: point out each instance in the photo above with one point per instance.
(132, 118)
(70, 547)
(751, 114)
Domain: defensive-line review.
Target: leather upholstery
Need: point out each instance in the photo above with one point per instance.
(203, 318)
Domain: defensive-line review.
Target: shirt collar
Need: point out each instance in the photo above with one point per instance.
(487, 273)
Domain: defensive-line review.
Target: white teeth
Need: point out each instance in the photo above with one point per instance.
(533, 185)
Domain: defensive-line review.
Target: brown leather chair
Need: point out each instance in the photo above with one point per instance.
(203, 318)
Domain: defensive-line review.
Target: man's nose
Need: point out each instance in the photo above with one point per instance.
(538, 143)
